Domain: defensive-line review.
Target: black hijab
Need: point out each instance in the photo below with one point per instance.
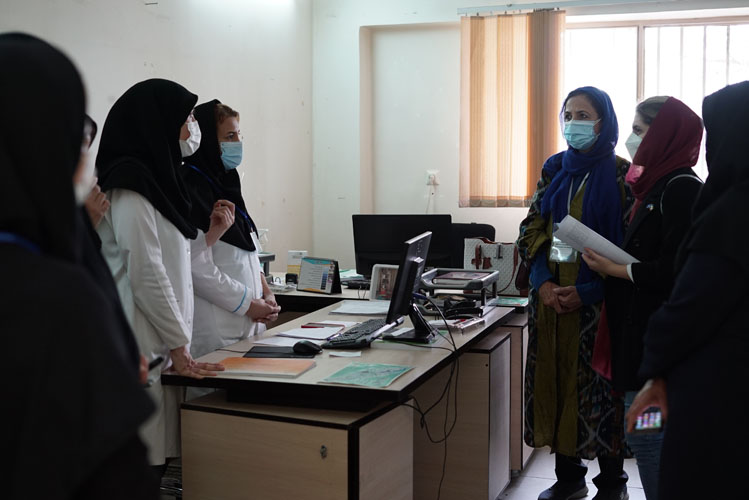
(42, 212)
(724, 199)
(139, 147)
(207, 181)
(78, 400)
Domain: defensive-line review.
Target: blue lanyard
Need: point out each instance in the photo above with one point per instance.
(218, 190)
(14, 239)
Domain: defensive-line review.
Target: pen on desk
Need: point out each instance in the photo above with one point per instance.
(154, 363)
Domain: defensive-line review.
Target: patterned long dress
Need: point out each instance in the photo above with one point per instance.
(569, 406)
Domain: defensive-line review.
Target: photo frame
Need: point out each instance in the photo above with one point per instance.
(383, 281)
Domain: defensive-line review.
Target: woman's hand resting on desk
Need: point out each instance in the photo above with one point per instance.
(222, 218)
(263, 311)
(184, 365)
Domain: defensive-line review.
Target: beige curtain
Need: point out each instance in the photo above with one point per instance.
(510, 101)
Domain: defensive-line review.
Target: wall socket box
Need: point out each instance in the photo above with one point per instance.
(432, 178)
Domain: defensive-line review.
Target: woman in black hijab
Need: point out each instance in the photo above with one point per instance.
(232, 298)
(146, 237)
(75, 400)
(696, 356)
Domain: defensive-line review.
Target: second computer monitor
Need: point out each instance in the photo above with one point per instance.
(412, 262)
(378, 239)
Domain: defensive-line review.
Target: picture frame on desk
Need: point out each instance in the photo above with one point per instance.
(319, 275)
(383, 281)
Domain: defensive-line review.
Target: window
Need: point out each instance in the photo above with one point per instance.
(633, 61)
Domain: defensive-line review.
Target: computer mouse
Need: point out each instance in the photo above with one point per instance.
(306, 347)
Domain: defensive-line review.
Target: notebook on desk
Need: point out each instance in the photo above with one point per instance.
(267, 367)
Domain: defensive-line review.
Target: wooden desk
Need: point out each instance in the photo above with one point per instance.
(258, 437)
(516, 325)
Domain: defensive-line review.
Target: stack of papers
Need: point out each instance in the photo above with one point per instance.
(322, 333)
(363, 307)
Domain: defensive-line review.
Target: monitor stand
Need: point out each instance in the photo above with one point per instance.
(422, 333)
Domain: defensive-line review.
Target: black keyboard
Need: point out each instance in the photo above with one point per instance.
(357, 336)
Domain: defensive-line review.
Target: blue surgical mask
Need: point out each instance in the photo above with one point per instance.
(231, 154)
(579, 133)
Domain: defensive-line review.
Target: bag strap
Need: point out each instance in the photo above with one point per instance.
(514, 267)
(672, 180)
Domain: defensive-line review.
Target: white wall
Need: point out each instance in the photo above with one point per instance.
(251, 54)
(386, 86)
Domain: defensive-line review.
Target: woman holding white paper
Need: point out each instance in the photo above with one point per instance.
(664, 145)
(696, 347)
(569, 406)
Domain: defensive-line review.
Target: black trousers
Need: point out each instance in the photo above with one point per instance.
(572, 470)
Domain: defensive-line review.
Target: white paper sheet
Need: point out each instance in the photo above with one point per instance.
(579, 236)
(311, 333)
(345, 324)
(363, 307)
(345, 354)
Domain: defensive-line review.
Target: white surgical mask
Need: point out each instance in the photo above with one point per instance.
(632, 143)
(192, 143)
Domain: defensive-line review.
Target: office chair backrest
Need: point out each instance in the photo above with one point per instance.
(460, 231)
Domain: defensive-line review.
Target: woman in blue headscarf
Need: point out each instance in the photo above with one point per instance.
(570, 407)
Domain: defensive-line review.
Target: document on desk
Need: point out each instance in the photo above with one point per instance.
(368, 374)
(579, 236)
(363, 307)
(322, 333)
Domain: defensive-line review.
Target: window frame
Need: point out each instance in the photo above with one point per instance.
(656, 23)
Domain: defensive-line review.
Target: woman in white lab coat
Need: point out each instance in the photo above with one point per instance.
(146, 240)
(232, 298)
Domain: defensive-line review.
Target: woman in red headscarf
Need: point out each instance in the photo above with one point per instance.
(664, 145)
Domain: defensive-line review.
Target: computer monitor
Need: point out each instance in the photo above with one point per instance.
(378, 239)
(412, 262)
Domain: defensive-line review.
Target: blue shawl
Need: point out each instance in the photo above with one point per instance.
(602, 208)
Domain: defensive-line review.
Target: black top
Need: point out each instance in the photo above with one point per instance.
(139, 147)
(72, 384)
(722, 205)
(699, 340)
(653, 237)
(207, 181)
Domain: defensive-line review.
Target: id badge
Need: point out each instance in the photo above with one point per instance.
(562, 252)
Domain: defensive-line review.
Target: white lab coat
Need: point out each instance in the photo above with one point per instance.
(226, 279)
(150, 261)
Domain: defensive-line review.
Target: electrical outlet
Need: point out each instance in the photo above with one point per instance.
(432, 179)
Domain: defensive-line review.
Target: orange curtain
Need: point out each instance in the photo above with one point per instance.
(510, 100)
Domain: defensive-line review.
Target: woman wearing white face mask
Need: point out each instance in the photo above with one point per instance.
(569, 406)
(232, 298)
(664, 145)
(146, 238)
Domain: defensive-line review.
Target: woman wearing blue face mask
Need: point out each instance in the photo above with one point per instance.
(570, 407)
(232, 298)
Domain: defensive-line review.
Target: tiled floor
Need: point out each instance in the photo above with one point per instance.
(539, 475)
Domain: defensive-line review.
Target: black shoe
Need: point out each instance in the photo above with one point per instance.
(565, 491)
(618, 494)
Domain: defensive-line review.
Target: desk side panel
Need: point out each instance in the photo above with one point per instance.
(386, 456)
(231, 457)
(466, 474)
(499, 426)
